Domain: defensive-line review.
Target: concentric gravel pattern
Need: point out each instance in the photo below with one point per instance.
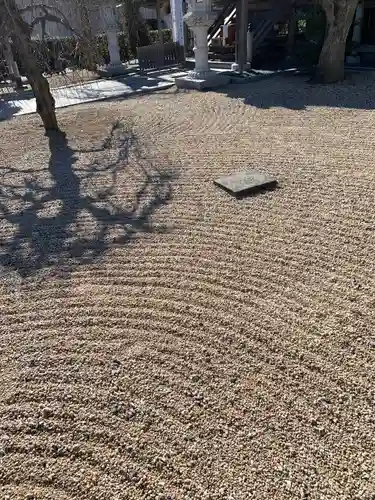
(171, 342)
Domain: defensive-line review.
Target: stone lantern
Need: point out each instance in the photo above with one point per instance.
(115, 66)
(199, 18)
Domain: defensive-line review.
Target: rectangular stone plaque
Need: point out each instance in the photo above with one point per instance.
(244, 183)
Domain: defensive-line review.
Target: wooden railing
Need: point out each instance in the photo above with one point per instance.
(159, 56)
(227, 12)
(263, 29)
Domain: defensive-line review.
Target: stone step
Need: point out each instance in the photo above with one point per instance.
(214, 64)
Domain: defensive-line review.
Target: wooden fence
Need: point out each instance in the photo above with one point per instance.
(158, 56)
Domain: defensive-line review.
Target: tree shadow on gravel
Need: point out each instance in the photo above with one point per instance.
(75, 214)
(295, 92)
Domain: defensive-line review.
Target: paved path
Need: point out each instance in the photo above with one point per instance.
(87, 92)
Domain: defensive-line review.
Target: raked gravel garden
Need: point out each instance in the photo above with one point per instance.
(160, 339)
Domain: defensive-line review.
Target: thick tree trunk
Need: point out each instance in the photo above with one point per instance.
(20, 35)
(331, 66)
(45, 103)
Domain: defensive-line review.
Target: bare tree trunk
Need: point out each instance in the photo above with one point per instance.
(45, 103)
(242, 21)
(158, 18)
(20, 34)
(292, 30)
(131, 17)
(87, 41)
(331, 66)
(136, 28)
(43, 28)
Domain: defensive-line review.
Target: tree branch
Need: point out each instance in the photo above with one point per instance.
(58, 17)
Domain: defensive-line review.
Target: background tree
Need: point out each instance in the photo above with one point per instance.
(339, 18)
(158, 19)
(135, 26)
(14, 26)
(88, 42)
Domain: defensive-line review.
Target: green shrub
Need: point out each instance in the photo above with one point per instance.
(167, 36)
(311, 31)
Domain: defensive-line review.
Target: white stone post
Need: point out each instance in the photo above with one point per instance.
(113, 47)
(201, 50)
(199, 20)
(12, 65)
(249, 48)
(177, 21)
(115, 66)
(225, 33)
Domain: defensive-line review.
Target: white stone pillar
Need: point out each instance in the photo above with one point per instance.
(249, 51)
(111, 19)
(201, 50)
(177, 15)
(199, 21)
(113, 47)
(11, 63)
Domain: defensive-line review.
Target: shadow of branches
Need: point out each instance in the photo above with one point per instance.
(293, 91)
(77, 212)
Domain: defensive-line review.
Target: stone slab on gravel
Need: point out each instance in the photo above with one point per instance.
(243, 183)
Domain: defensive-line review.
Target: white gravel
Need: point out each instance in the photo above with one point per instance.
(170, 342)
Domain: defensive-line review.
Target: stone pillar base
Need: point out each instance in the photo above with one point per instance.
(202, 80)
(114, 70)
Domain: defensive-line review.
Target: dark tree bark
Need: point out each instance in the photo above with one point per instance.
(158, 18)
(242, 21)
(339, 15)
(19, 31)
(292, 31)
(87, 40)
(136, 27)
